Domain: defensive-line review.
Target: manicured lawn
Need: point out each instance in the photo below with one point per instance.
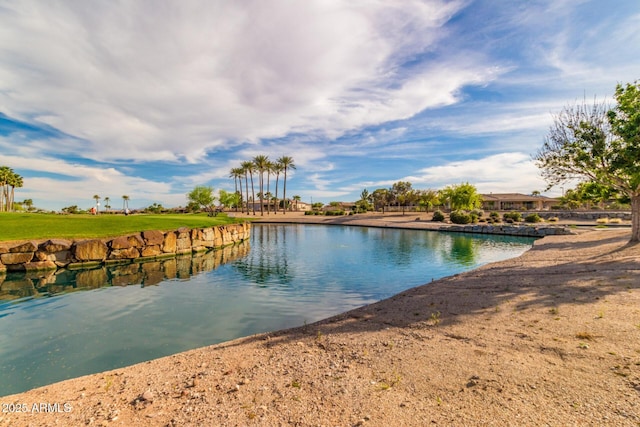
(23, 226)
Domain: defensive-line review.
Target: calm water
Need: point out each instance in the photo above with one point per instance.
(66, 325)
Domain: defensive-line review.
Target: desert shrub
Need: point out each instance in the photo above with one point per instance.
(534, 217)
(514, 216)
(615, 221)
(494, 216)
(460, 217)
(334, 213)
(477, 212)
(553, 219)
(438, 216)
(602, 220)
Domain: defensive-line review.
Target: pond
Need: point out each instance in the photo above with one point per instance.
(69, 324)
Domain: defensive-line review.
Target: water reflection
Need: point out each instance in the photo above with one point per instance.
(15, 286)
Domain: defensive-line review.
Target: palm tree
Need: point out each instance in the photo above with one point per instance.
(237, 174)
(106, 204)
(248, 168)
(297, 199)
(269, 170)
(15, 182)
(261, 163)
(125, 203)
(5, 175)
(95, 196)
(287, 163)
(277, 168)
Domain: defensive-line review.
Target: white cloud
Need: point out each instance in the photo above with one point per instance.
(506, 172)
(169, 81)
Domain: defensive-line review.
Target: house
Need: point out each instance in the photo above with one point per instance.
(516, 201)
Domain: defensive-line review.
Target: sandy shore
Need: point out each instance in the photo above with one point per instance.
(548, 338)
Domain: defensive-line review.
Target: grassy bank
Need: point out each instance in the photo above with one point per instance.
(21, 226)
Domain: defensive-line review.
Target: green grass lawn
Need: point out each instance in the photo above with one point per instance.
(23, 226)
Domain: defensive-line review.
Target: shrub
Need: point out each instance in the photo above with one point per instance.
(438, 216)
(460, 217)
(615, 221)
(554, 219)
(602, 220)
(477, 212)
(514, 216)
(494, 216)
(334, 213)
(534, 217)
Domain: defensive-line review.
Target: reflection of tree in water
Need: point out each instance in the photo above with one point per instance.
(21, 285)
(267, 262)
(462, 250)
(400, 247)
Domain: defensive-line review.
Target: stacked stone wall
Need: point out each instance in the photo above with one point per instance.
(144, 246)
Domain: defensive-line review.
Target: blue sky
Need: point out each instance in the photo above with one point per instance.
(151, 98)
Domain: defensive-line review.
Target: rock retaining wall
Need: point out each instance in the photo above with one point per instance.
(147, 245)
(510, 230)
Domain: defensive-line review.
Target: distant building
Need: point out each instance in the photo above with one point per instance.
(516, 201)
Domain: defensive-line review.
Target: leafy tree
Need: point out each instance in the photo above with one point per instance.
(203, 196)
(228, 200)
(9, 181)
(381, 198)
(428, 199)
(401, 192)
(599, 144)
(462, 196)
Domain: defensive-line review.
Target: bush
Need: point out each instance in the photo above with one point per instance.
(494, 216)
(477, 212)
(513, 216)
(554, 219)
(438, 216)
(334, 213)
(460, 217)
(534, 217)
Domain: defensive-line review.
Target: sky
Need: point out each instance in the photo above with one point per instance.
(149, 98)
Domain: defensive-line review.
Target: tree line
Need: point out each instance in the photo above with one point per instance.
(401, 194)
(260, 168)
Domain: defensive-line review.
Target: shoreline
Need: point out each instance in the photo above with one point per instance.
(552, 336)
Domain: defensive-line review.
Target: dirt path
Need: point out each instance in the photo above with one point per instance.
(549, 338)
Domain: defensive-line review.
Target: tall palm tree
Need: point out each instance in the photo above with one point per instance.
(5, 175)
(261, 163)
(249, 168)
(125, 202)
(106, 204)
(269, 170)
(287, 163)
(297, 199)
(277, 168)
(237, 174)
(15, 182)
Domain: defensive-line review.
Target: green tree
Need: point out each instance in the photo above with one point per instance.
(599, 144)
(228, 200)
(428, 199)
(107, 206)
(277, 170)
(381, 198)
(296, 199)
(125, 203)
(287, 163)
(203, 196)
(462, 196)
(261, 163)
(402, 193)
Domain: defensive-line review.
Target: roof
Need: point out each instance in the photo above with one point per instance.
(514, 197)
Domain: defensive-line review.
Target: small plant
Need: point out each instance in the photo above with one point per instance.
(494, 216)
(583, 345)
(602, 220)
(533, 218)
(553, 310)
(554, 219)
(295, 384)
(460, 217)
(615, 221)
(435, 317)
(514, 216)
(585, 336)
(438, 216)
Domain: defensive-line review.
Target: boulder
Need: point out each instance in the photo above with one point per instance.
(153, 237)
(89, 250)
(129, 253)
(13, 258)
(169, 243)
(55, 245)
(24, 247)
(151, 250)
(40, 266)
